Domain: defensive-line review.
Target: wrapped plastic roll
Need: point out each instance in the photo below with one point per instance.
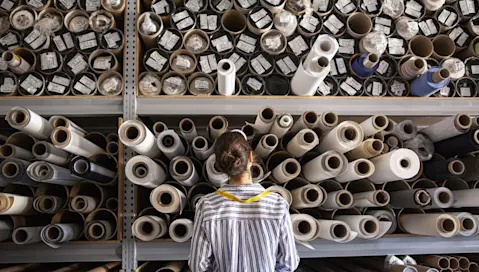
(444, 225)
(215, 177)
(385, 215)
(54, 235)
(188, 129)
(377, 198)
(309, 119)
(305, 227)
(89, 170)
(311, 74)
(27, 235)
(15, 171)
(201, 148)
(325, 45)
(181, 230)
(144, 171)
(286, 171)
(405, 130)
(422, 145)
(226, 77)
(11, 151)
(65, 139)
(281, 191)
(61, 121)
(345, 137)
(266, 145)
(441, 198)
(307, 196)
(217, 126)
(465, 198)
(159, 127)
(358, 169)
(469, 224)
(48, 204)
(167, 199)
(374, 124)
(12, 204)
(366, 226)
(334, 230)
(45, 151)
(138, 137)
(28, 121)
(6, 228)
(325, 166)
(340, 199)
(84, 204)
(183, 170)
(281, 125)
(302, 142)
(149, 227)
(396, 165)
(367, 149)
(449, 127)
(49, 173)
(264, 120)
(170, 144)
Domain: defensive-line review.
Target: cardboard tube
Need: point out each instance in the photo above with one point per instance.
(378, 198)
(217, 126)
(281, 125)
(340, 199)
(436, 261)
(345, 137)
(138, 137)
(167, 199)
(159, 127)
(325, 166)
(116, 9)
(61, 121)
(100, 225)
(181, 230)
(149, 227)
(182, 170)
(233, 21)
(286, 170)
(170, 144)
(264, 120)
(76, 21)
(448, 127)
(367, 149)
(444, 47)
(366, 226)
(188, 129)
(309, 119)
(103, 22)
(440, 198)
(20, 60)
(405, 130)
(27, 235)
(327, 121)
(304, 227)
(11, 151)
(56, 234)
(11, 204)
(149, 26)
(302, 142)
(335, 230)
(307, 196)
(358, 25)
(358, 169)
(201, 148)
(266, 145)
(443, 225)
(74, 143)
(87, 196)
(421, 46)
(374, 124)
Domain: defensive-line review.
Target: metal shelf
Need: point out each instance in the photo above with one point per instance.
(71, 252)
(241, 105)
(71, 106)
(161, 251)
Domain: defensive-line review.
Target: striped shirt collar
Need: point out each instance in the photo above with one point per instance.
(255, 187)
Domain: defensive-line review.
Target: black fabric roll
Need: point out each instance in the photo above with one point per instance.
(91, 173)
(15, 171)
(472, 168)
(457, 146)
(438, 170)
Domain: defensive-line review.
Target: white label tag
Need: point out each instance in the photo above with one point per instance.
(258, 15)
(212, 19)
(353, 83)
(77, 64)
(61, 80)
(333, 70)
(451, 19)
(456, 32)
(82, 88)
(179, 16)
(185, 23)
(56, 88)
(264, 62)
(283, 67)
(462, 39)
(48, 61)
(212, 61)
(88, 82)
(348, 89)
(398, 88)
(341, 66)
(8, 85)
(7, 5)
(443, 16)
(289, 62)
(254, 83)
(102, 63)
(183, 62)
(257, 66)
(202, 84)
(324, 88)
(92, 5)
(160, 7)
(475, 69)
(67, 37)
(465, 91)
(88, 44)
(383, 67)
(263, 22)
(204, 64)
(31, 84)
(445, 91)
(59, 43)
(377, 88)
(245, 47)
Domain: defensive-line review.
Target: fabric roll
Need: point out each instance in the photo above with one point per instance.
(84, 204)
(188, 129)
(422, 145)
(15, 171)
(441, 198)
(6, 228)
(264, 120)
(302, 142)
(167, 199)
(181, 230)
(465, 198)
(258, 172)
(266, 145)
(366, 226)
(305, 227)
(217, 126)
(377, 198)
(369, 148)
(11, 151)
(340, 199)
(74, 143)
(286, 171)
(283, 192)
(355, 170)
(281, 125)
(28, 121)
(170, 144)
(459, 145)
(335, 230)
(328, 165)
(138, 137)
(385, 215)
(345, 137)
(469, 224)
(183, 170)
(45, 151)
(84, 168)
(405, 130)
(11, 204)
(416, 198)
(215, 177)
(143, 171)
(444, 225)
(27, 235)
(149, 227)
(448, 128)
(327, 121)
(307, 196)
(201, 148)
(99, 230)
(396, 165)
(309, 119)
(56, 234)
(41, 171)
(48, 204)
(472, 168)
(374, 124)
(61, 121)
(442, 169)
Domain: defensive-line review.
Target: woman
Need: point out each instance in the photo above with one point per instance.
(241, 227)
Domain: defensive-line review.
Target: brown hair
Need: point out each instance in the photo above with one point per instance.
(232, 153)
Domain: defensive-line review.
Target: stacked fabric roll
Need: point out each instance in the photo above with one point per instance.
(62, 48)
(59, 182)
(308, 48)
(357, 180)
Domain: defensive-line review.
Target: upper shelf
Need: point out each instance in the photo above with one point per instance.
(246, 105)
(71, 106)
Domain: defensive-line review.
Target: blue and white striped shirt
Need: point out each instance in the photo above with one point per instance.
(231, 236)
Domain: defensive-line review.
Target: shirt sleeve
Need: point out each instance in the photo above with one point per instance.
(287, 258)
(201, 255)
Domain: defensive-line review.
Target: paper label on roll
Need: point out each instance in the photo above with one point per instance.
(31, 84)
(383, 67)
(56, 88)
(61, 80)
(451, 19)
(48, 61)
(7, 5)
(254, 83)
(445, 91)
(462, 39)
(324, 88)
(185, 23)
(92, 5)
(161, 7)
(77, 64)
(9, 39)
(456, 32)
(258, 15)
(82, 88)
(179, 16)
(223, 5)
(263, 22)
(112, 39)
(465, 91)
(8, 85)
(103, 63)
(193, 5)
(298, 45)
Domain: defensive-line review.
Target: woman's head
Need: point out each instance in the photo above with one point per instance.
(233, 154)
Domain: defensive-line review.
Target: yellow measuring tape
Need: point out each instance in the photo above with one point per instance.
(234, 198)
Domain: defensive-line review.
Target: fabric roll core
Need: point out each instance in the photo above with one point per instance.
(10, 170)
(339, 231)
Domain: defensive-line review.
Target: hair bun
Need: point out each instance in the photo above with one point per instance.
(232, 154)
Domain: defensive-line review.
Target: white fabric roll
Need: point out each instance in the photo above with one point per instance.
(374, 124)
(309, 119)
(11, 204)
(168, 199)
(281, 125)
(327, 121)
(447, 128)
(325, 166)
(88, 204)
(67, 232)
(335, 230)
(369, 148)
(215, 177)
(340, 199)
(281, 191)
(469, 224)
(399, 164)
(6, 228)
(201, 148)
(307, 196)
(13, 151)
(266, 145)
(74, 143)
(170, 144)
(304, 227)
(358, 169)
(264, 120)
(144, 171)
(306, 80)
(465, 198)
(305, 140)
(226, 77)
(158, 128)
(286, 171)
(27, 235)
(260, 175)
(28, 121)
(377, 198)
(188, 129)
(345, 137)
(45, 151)
(325, 45)
(62, 121)
(384, 215)
(141, 139)
(49, 173)
(444, 225)
(56, 204)
(217, 126)
(183, 170)
(441, 198)
(366, 226)
(158, 226)
(187, 224)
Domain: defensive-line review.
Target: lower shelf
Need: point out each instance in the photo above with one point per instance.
(161, 251)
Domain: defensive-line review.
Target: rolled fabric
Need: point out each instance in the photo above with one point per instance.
(444, 225)
(264, 120)
(170, 144)
(366, 226)
(281, 191)
(396, 165)
(302, 142)
(449, 127)
(335, 230)
(84, 168)
(217, 126)
(48, 204)
(61, 121)
(201, 148)
(12, 204)
(144, 171)
(181, 230)
(458, 145)
(281, 125)
(374, 124)
(6, 228)
(340, 199)
(286, 171)
(188, 129)
(307, 196)
(266, 145)
(167, 199)
(469, 224)
(215, 177)
(11, 151)
(369, 148)
(441, 198)
(305, 227)
(345, 137)
(183, 170)
(258, 173)
(422, 145)
(358, 169)
(377, 198)
(65, 139)
(465, 198)
(27, 235)
(45, 151)
(99, 230)
(28, 121)
(441, 169)
(149, 227)
(54, 235)
(328, 165)
(385, 215)
(15, 171)
(405, 130)
(138, 137)
(327, 121)
(416, 198)
(49, 173)
(84, 204)
(309, 119)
